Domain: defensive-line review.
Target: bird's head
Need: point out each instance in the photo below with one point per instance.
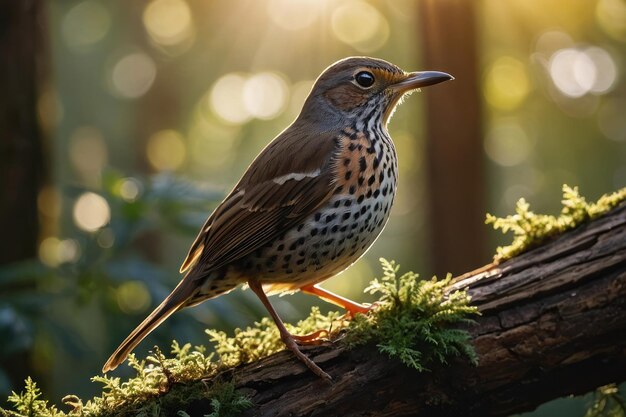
(363, 87)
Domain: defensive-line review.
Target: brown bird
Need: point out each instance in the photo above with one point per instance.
(310, 204)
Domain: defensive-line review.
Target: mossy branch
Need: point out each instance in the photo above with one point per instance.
(553, 313)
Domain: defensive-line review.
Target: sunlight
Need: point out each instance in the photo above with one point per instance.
(611, 15)
(166, 150)
(294, 14)
(265, 95)
(226, 99)
(88, 153)
(85, 24)
(577, 72)
(133, 75)
(507, 144)
(209, 137)
(506, 83)
(360, 25)
(133, 297)
(54, 252)
(299, 92)
(91, 212)
(128, 188)
(168, 22)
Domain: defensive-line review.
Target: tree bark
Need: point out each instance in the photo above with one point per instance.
(23, 64)
(553, 323)
(22, 59)
(456, 184)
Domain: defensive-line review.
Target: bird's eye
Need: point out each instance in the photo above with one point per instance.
(365, 79)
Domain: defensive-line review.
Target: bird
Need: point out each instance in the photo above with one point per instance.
(310, 204)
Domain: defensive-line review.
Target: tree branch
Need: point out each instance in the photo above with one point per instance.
(553, 323)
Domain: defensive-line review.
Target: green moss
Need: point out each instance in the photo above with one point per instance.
(607, 403)
(413, 321)
(531, 229)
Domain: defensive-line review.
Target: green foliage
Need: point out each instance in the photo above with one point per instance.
(44, 303)
(162, 387)
(414, 319)
(262, 339)
(607, 403)
(27, 403)
(531, 229)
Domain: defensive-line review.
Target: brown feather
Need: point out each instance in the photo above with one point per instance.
(259, 209)
(183, 291)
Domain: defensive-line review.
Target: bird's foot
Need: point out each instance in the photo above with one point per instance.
(311, 338)
(290, 341)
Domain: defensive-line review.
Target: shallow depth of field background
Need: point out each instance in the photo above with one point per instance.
(154, 109)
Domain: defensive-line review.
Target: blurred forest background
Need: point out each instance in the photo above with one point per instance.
(124, 123)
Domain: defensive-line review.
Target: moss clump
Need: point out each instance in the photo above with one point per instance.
(262, 339)
(607, 403)
(531, 229)
(413, 321)
(162, 387)
(28, 403)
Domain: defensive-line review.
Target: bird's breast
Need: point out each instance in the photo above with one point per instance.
(341, 231)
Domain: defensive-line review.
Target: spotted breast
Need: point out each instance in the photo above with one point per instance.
(340, 232)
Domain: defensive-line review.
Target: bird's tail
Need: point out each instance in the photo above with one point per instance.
(170, 305)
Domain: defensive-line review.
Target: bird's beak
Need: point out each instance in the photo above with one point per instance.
(420, 79)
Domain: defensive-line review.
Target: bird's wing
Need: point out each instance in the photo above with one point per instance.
(292, 177)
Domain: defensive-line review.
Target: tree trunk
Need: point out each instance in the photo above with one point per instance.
(553, 323)
(21, 161)
(22, 62)
(456, 192)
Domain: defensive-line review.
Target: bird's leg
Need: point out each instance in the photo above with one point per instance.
(311, 338)
(350, 306)
(287, 338)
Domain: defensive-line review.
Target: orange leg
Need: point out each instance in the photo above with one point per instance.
(311, 338)
(287, 338)
(350, 306)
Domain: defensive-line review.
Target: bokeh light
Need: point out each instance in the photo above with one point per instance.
(208, 139)
(54, 252)
(88, 153)
(168, 22)
(506, 84)
(49, 109)
(294, 14)
(576, 72)
(128, 188)
(166, 150)
(299, 92)
(507, 144)
(85, 24)
(133, 297)
(91, 212)
(606, 70)
(106, 238)
(553, 40)
(226, 99)
(49, 202)
(611, 15)
(360, 25)
(265, 95)
(133, 75)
